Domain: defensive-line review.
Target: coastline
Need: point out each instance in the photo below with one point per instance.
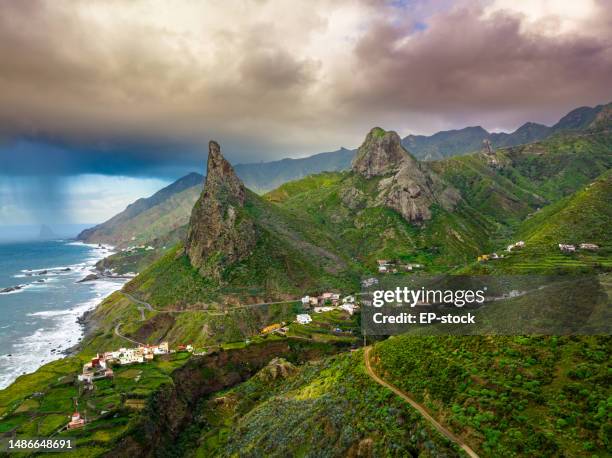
(60, 331)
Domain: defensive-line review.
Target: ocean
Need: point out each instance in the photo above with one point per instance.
(38, 322)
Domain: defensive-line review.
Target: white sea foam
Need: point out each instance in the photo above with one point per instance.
(59, 329)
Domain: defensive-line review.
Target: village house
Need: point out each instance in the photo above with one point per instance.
(567, 248)
(131, 356)
(306, 300)
(348, 299)
(303, 318)
(161, 349)
(324, 308)
(515, 246)
(369, 282)
(76, 421)
(350, 308)
(589, 246)
(271, 328)
(96, 368)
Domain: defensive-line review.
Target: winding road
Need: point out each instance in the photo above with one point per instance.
(124, 337)
(420, 408)
(211, 312)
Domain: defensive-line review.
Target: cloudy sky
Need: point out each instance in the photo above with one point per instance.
(111, 99)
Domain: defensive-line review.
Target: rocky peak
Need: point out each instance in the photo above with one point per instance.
(408, 186)
(220, 232)
(220, 176)
(380, 154)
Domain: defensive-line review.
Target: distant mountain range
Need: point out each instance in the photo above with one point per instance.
(150, 220)
(469, 139)
(265, 176)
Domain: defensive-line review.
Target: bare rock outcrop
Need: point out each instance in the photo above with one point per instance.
(408, 186)
(380, 154)
(220, 232)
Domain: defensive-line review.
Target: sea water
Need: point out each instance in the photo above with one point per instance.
(38, 322)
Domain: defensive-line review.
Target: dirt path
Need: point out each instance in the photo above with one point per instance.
(420, 408)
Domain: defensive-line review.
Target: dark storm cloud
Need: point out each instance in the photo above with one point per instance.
(139, 87)
(465, 63)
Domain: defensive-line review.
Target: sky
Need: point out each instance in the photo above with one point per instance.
(103, 101)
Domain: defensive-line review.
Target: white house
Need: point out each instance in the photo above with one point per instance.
(567, 248)
(369, 282)
(349, 299)
(350, 308)
(303, 318)
(326, 308)
(161, 349)
(519, 244)
(306, 300)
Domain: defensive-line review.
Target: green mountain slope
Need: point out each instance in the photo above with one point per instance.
(583, 217)
(265, 176)
(325, 408)
(148, 219)
(509, 396)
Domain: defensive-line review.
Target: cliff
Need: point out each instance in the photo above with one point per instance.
(220, 231)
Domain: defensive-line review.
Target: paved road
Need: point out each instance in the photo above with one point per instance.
(420, 408)
(124, 337)
(211, 312)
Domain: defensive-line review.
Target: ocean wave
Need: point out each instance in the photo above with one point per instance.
(60, 331)
(57, 330)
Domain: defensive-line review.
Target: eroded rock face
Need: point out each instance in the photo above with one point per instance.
(380, 154)
(408, 186)
(413, 190)
(220, 232)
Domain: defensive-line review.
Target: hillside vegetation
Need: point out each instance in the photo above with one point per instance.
(510, 396)
(326, 408)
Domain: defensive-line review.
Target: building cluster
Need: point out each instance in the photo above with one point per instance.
(133, 248)
(386, 266)
(321, 300)
(566, 248)
(326, 302)
(100, 366)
